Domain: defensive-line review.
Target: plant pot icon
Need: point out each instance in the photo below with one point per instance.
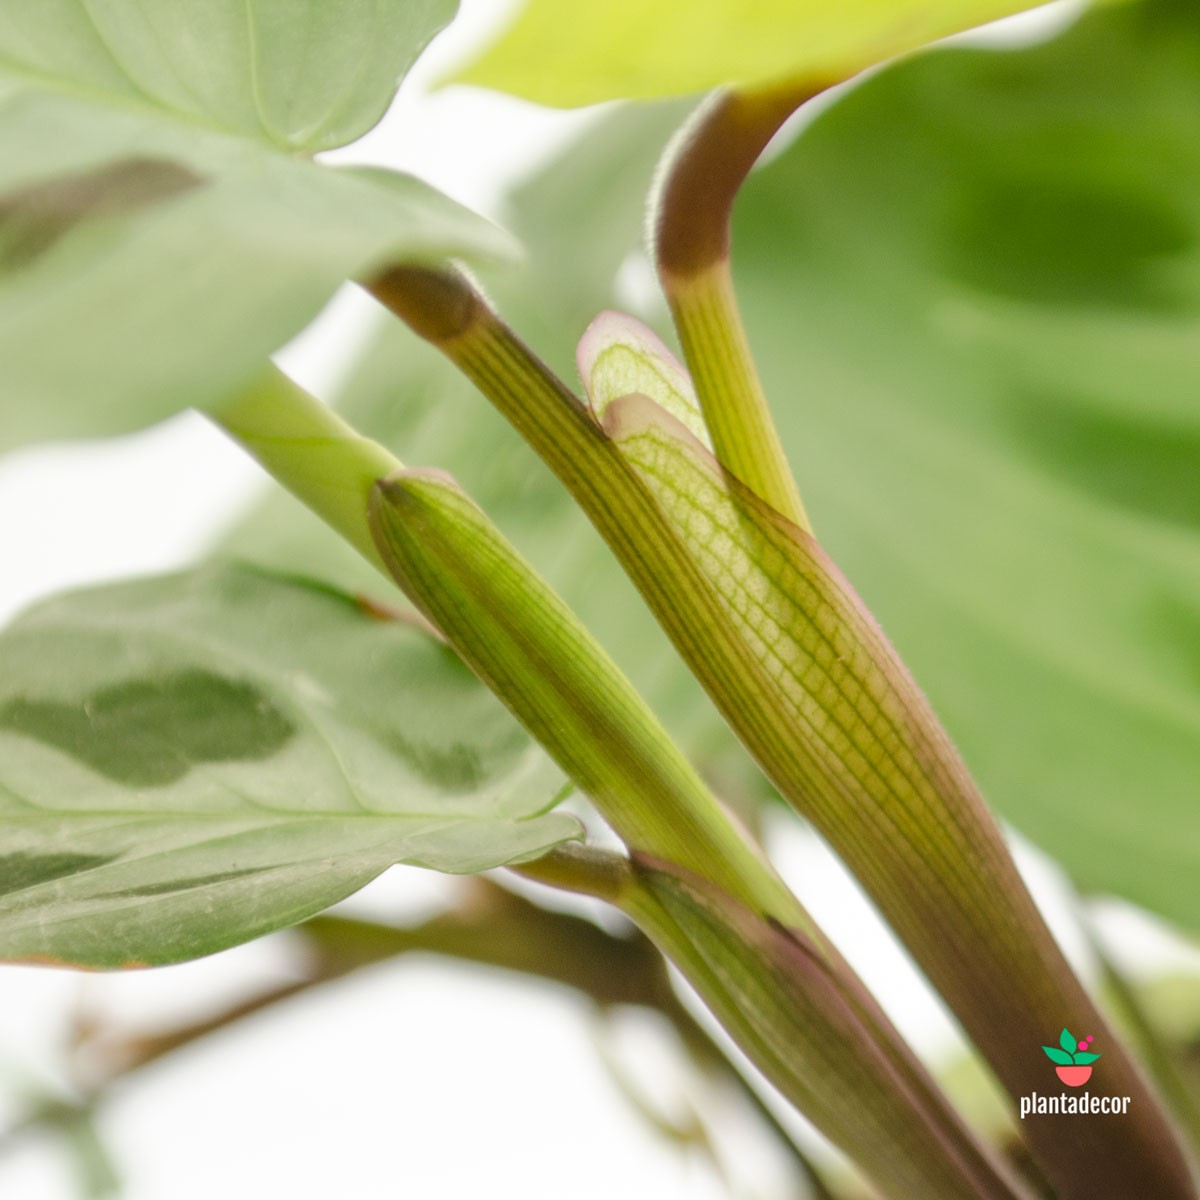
(1074, 1076)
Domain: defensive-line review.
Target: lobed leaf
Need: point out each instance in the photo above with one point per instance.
(162, 228)
(640, 49)
(191, 761)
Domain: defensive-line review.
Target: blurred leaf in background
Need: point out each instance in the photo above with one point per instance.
(974, 287)
(644, 49)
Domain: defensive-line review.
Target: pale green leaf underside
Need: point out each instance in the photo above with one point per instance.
(299, 74)
(160, 234)
(191, 761)
(568, 55)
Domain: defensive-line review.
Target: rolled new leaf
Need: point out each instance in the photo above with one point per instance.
(825, 705)
(773, 992)
(528, 647)
(521, 639)
(619, 356)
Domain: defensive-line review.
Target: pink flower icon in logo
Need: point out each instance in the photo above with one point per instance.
(1074, 1059)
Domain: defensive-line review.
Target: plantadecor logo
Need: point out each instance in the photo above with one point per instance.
(1074, 1059)
(1073, 1065)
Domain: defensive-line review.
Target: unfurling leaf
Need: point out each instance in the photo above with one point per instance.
(806, 677)
(619, 356)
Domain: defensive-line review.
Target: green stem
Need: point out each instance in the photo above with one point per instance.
(704, 169)
(311, 451)
(739, 420)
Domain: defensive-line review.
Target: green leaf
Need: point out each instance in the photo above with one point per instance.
(1059, 1056)
(570, 55)
(990, 401)
(160, 231)
(1067, 1041)
(298, 74)
(191, 761)
(1084, 1058)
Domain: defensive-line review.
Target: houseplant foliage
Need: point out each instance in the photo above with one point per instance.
(973, 302)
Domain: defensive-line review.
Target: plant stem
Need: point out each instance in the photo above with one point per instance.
(309, 449)
(703, 171)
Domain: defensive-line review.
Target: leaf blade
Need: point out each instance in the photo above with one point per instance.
(636, 50)
(301, 76)
(178, 776)
(173, 297)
